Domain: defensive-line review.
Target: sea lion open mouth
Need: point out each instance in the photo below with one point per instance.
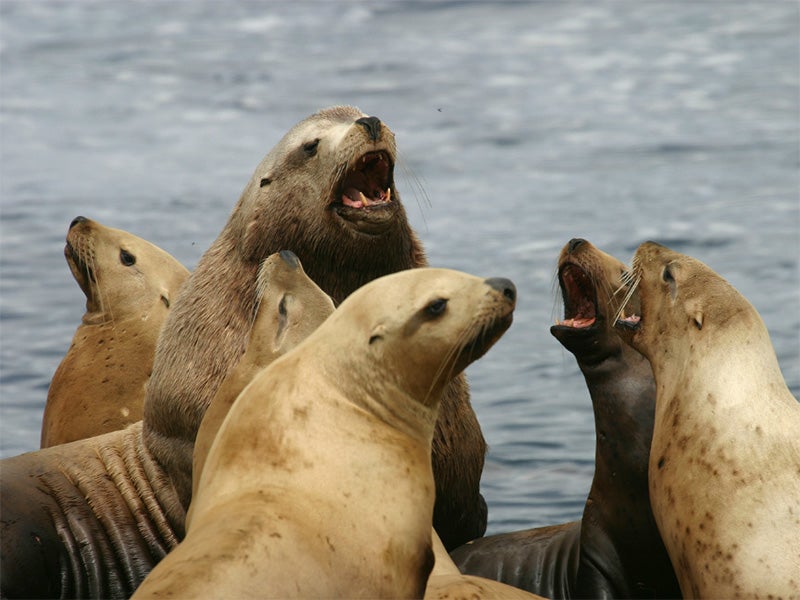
(580, 297)
(368, 183)
(80, 268)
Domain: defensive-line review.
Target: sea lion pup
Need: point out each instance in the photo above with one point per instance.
(319, 482)
(129, 284)
(725, 460)
(615, 550)
(290, 307)
(326, 192)
(447, 583)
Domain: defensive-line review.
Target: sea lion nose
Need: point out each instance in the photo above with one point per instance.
(372, 125)
(77, 220)
(503, 285)
(290, 258)
(574, 243)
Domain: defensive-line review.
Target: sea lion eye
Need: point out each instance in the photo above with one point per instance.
(310, 148)
(437, 307)
(265, 181)
(126, 258)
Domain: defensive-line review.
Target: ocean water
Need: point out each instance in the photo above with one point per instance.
(520, 126)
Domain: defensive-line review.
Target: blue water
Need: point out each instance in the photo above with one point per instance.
(520, 126)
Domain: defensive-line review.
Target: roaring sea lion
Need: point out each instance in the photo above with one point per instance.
(290, 307)
(615, 550)
(129, 284)
(91, 518)
(326, 192)
(725, 460)
(319, 482)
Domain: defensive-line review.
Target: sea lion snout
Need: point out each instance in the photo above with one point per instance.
(504, 286)
(372, 125)
(77, 220)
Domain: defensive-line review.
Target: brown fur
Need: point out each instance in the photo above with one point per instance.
(287, 205)
(99, 385)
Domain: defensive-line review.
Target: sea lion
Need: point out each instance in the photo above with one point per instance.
(615, 550)
(129, 284)
(326, 192)
(319, 482)
(91, 518)
(725, 459)
(290, 306)
(87, 519)
(447, 583)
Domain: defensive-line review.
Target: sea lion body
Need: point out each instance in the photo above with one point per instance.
(615, 550)
(85, 519)
(290, 307)
(446, 582)
(319, 482)
(725, 460)
(129, 283)
(326, 192)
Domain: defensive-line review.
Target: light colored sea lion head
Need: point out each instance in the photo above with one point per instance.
(415, 330)
(122, 275)
(682, 302)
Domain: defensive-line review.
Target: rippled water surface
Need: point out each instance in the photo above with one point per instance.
(520, 126)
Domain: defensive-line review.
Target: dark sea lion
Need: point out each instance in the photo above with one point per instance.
(87, 519)
(326, 192)
(129, 284)
(725, 459)
(615, 551)
(319, 482)
(91, 518)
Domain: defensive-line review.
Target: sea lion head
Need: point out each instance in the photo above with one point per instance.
(326, 192)
(419, 328)
(592, 296)
(122, 275)
(681, 300)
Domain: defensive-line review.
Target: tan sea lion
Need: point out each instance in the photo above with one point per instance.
(725, 460)
(326, 192)
(129, 284)
(615, 550)
(91, 518)
(290, 307)
(319, 482)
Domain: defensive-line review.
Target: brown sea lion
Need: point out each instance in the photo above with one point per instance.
(91, 518)
(615, 550)
(129, 284)
(327, 193)
(290, 306)
(319, 482)
(725, 460)
(87, 519)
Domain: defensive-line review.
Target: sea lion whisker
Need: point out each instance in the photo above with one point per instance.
(631, 290)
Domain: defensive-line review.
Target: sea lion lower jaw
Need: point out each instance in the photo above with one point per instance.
(372, 220)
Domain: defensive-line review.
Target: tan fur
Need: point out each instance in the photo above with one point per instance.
(100, 384)
(292, 203)
(319, 482)
(290, 307)
(447, 583)
(725, 461)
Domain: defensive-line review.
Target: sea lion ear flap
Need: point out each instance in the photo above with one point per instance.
(698, 319)
(377, 333)
(165, 297)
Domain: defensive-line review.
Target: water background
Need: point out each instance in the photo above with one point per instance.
(520, 126)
